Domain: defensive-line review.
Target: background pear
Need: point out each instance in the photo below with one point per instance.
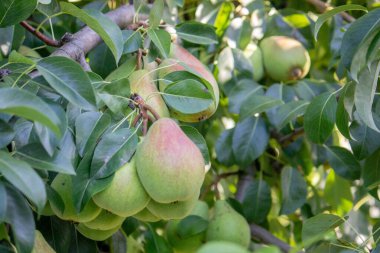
(228, 225)
(146, 216)
(285, 58)
(141, 83)
(62, 184)
(222, 247)
(170, 166)
(254, 54)
(95, 234)
(125, 196)
(105, 221)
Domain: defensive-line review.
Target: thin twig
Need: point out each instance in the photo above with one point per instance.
(151, 110)
(287, 139)
(322, 7)
(48, 41)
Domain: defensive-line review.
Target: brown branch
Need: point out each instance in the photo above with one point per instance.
(151, 110)
(48, 41)
(287, 139)
(322, 7)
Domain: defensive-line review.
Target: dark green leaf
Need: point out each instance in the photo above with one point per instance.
(250, 140)
(364, 140)
(24, 178)
(293, 190)
(342, 117)
(198, 139)
(69, 79)
(319, 117)
(371, 171)
(241, 93)
(155, 243)
(132, 41)
(3, 201)
(290, 111)
(161, 40)
(344, 163)
(156, 13)
(197, 33)
(223, 148)
(257, 104)
(6, 134)
(257, 201)
(191, 225)
(316, 227)
(14, 11)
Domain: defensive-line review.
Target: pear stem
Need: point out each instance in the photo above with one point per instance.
(151, 110)
(214, 184)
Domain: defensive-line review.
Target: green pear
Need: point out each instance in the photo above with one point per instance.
(173, 210)
(222, 247)
(285, 58)
(146, 216)
(41, 245)
(269, 249)
(62, 184)
(254, 54)
(170, 166)
(142, 84)
(96, 234)
(228, 225)
(180, 58)
(105, 221)
(125, 196)
(192, 243)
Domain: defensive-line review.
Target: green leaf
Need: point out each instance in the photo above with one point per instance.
(89, 127)
(371, 171)
(156, 13)
(325, 16)
(161, 40)
(155, 243)
(24, 178)
(257, 201)
(316, 227)
(20, 217)
(257, 104)
(319, 117)
(187, 96)
(342, 117)
(223, 17)
(250, 140)
(69, 79)
(132, 41)
(240, 93)
(293, 190)
(343, 162)
(365, 93)
(223, 148)
(123, 71)
(191, 225)
(338, 193)
(198, 140)
(114, 150)
(364, 140)
(25, 104)
(290, 111)
(3, 201)
(7, 134)
(16, 57)
(15, 11)
(101, 24)
(197, 33)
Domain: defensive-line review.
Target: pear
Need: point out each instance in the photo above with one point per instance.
(173, 210)
(192, 243)
(95, 234)
(222, 247)
(254, 54)
(125, 196)
(141, 83)
(105, 221)
(170, 166)
(228, 225)
(62, 184)
(285, 58)
(41, 245)
(146, 216)
(180, 57)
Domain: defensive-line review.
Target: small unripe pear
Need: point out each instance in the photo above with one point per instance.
(141, 83)
(125, 196)
(170, 166)
(228, 225)
(254, 54)
(95, 234)
(285, 58)
(62, 184)
(146, 215)
(222, 247)
(105, 221)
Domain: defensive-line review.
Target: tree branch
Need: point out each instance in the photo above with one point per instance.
(48, 41)
(322, 7)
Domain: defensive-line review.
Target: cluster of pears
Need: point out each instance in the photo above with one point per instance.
(281, 58)
(162, 180)
(227, 231)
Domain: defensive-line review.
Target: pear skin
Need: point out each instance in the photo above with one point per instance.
(228, 225)
(254, 54)
(125, 196)
(222, 247)
(141, 83)
(170, 166)
(95, 234)
(41, 245)
(285, 58)
(62, 184)
(105, 221)
(146, 216)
